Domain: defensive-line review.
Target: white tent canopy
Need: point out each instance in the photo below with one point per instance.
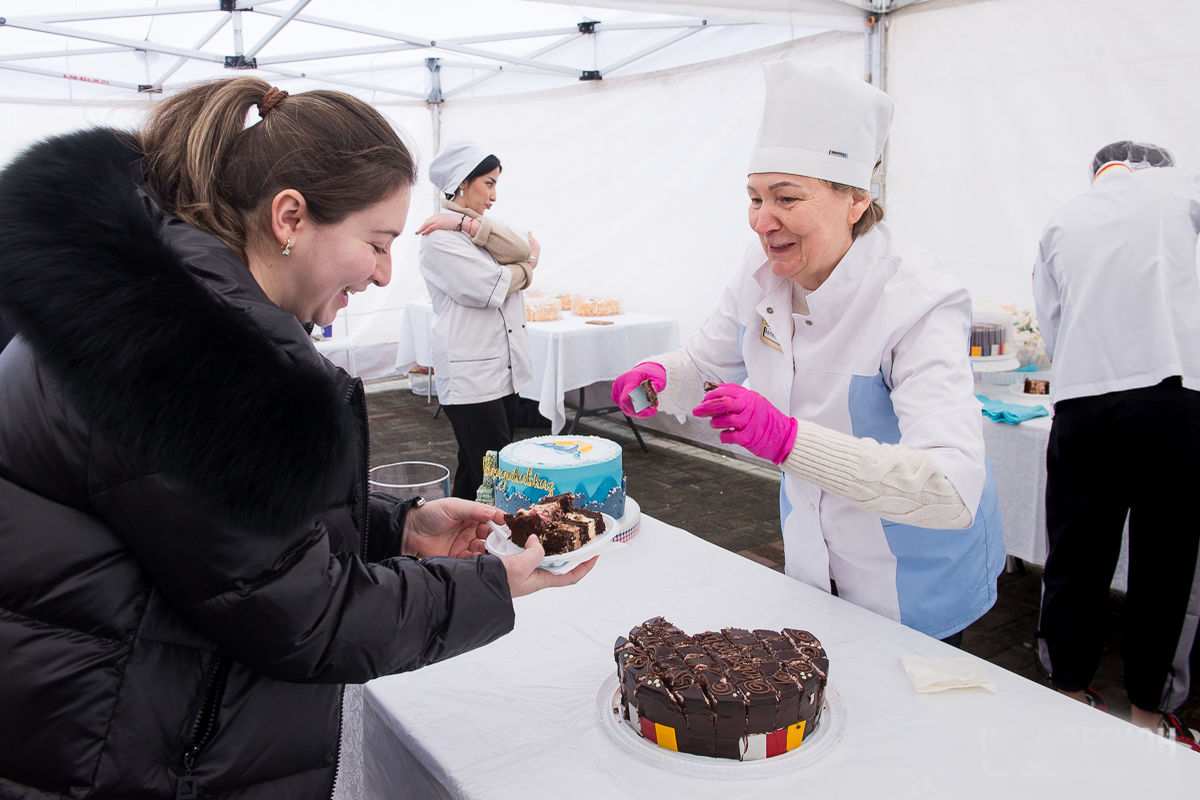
(635, 183)
(382, 50)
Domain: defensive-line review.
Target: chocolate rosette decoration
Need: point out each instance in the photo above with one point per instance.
(682, 680)
(635, 668)
(758, 686)
(636, 661)
(801, 666)
(800, 637)
(721, 688)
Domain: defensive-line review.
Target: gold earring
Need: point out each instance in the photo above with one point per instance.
(287, 248)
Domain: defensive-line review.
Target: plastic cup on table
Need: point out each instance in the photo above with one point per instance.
(408, 479)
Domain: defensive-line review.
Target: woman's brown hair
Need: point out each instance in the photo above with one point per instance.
(211, 171)
(870, 218)
(874, 213)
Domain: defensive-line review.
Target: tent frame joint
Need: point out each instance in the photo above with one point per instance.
(240, 62)
(591, 75)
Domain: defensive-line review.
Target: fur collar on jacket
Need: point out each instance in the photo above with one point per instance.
(163, 342)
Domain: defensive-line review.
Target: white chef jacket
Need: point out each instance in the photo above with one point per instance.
(480, 347)
(882, 354)
(1115, 284)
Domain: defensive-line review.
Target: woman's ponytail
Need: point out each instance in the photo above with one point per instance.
(186, 141)
(213, 172)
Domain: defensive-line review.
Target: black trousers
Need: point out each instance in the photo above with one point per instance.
(479, 427)
(1135, 452)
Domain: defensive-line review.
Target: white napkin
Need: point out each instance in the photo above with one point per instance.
(939, 674)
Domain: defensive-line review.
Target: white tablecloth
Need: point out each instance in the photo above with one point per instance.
(1018, 456)
(570, 353)
(414, 346)
(517, 719)
(566, 354)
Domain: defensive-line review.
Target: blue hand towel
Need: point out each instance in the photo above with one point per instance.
(1010, 412)
(1028, 368)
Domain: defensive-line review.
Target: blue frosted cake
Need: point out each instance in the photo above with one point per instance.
(587, 467)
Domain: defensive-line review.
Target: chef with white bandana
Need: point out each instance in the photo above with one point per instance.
(841, 351)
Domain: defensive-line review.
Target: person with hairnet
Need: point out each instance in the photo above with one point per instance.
(1118, 302)
(840, 350)
(475, 270)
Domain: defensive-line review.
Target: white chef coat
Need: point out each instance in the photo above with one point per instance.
(882, 354)
(480, 347)
(1115, 284)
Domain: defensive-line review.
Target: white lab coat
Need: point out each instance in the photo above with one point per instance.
(883, 354)
(480, 347)
(1115, 283)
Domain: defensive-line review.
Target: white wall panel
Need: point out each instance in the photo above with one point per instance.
(1001, 104)
(636, 186)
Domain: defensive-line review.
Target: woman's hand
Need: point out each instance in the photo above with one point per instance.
(448, 527)
(524, 577)
(535, 251)
(627, 382)
(747, 418)
(448, 222)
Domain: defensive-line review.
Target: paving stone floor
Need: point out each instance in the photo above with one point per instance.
(735, 504)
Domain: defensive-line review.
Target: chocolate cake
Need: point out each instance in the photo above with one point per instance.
(651, 395)
(557, 523)
(709, 386)
(736, 694)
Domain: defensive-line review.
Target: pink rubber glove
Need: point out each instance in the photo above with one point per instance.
(624, 384)
(747, 418)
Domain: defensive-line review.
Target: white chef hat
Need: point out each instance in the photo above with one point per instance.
(819, 122)
(456, 161)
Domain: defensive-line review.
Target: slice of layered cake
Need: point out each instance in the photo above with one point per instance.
(557, 523)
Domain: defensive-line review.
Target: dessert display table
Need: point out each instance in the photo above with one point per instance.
(1018, 456)
(567, 354)
(571, 353)
(517, 719)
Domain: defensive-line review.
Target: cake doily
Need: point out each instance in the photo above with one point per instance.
(816, 746)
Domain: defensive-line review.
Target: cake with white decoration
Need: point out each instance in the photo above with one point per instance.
(588, 468)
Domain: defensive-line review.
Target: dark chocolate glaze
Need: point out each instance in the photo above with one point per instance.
(654, 702)
(715, 689)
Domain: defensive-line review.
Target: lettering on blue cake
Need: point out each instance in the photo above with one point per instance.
(509, 503)
(611, 497)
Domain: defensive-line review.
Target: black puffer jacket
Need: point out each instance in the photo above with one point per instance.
(190, 567)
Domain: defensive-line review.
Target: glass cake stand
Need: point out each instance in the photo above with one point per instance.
(816, 746)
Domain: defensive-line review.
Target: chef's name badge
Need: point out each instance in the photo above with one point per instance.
(768, 336)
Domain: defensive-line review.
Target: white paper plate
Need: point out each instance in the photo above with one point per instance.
(558, 564)
(816, 746)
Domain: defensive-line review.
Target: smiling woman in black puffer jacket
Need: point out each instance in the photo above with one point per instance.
(192, 566)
